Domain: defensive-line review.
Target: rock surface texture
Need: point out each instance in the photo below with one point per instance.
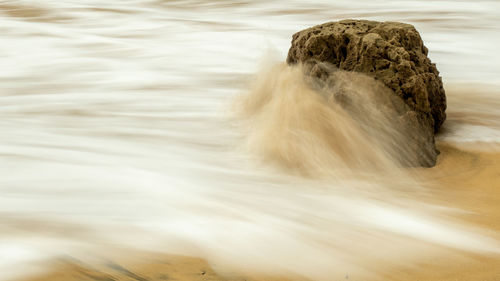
(390, 52)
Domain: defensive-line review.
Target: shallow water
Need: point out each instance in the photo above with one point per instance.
(116, 130)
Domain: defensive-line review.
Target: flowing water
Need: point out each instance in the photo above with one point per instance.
(118, 130)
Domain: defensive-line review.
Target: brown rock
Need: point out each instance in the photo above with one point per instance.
(390, 52)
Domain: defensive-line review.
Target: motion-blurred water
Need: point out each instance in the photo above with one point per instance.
(115, 129)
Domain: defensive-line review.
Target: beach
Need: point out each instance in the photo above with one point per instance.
(464, 178)
(123, 155)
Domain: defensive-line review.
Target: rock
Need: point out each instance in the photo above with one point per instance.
(386, 120)
(390, 52)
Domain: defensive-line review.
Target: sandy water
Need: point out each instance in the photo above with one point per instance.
(116, 131)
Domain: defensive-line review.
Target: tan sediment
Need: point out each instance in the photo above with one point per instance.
(151, 267)
(468, 179)
(30, 13)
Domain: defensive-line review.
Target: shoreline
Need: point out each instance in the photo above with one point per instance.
(465, 178)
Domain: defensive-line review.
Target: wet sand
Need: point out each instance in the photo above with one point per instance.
(102, 108)
(466, 178)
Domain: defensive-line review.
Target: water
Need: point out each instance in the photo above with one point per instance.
(117, 130)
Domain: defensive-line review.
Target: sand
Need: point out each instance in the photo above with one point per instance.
(467, 178)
